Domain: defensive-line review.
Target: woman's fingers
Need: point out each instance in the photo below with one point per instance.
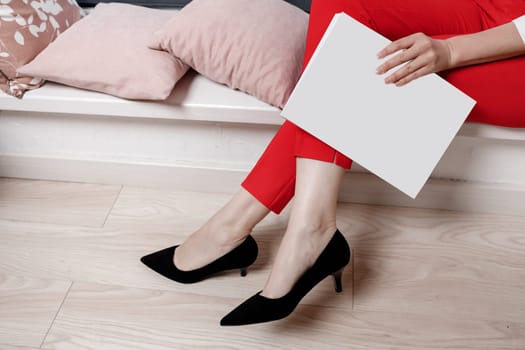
(397, 45)
(408, 69)
(405, 79)
(402, 57)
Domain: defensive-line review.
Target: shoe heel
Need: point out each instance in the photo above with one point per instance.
(244, 271)
(337, 280)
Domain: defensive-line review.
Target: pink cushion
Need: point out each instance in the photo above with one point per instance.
(256, 46)
(107, 51)
(26, 28)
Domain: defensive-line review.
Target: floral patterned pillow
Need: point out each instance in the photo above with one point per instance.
(26, 28)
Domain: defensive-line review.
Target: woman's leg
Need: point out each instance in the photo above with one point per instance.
(498, 88)
(271, 187)
(311, 225)
(272, 180)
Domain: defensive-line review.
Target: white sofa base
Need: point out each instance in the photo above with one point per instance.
(357, 187)
(206, 137)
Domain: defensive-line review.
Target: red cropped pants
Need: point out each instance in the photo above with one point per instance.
(498, 87)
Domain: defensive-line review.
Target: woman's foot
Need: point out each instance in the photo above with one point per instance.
(226, 230)
(259, 308)
(207, 244)
(298, 251)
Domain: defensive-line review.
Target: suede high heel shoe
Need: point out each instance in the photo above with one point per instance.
(258, 308)
(239, 258)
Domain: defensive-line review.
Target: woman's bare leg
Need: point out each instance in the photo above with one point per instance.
(223, 232)
(311, 225)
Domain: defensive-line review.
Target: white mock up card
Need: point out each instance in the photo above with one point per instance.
(397, 133)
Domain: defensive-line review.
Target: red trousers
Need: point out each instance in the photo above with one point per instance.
(498, 87)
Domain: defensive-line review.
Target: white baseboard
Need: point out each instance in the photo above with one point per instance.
(177, 177)
(357, 187)
(438, 194)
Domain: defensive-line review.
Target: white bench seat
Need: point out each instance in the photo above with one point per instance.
(194, 98)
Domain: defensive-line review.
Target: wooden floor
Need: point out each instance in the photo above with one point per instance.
(70, 277)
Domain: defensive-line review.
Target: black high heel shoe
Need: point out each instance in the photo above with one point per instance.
(239, 258)
(259, 309)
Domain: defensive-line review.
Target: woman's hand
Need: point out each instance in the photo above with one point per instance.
(420, 54)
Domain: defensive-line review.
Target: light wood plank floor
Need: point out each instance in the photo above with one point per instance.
(56, 202)
(70, 277)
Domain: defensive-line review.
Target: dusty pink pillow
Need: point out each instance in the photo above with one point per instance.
(26, 28)
(256, 46)
(107, 51)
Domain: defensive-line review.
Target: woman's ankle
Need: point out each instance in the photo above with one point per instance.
(226, 233)
(310, 226)
(237, 218)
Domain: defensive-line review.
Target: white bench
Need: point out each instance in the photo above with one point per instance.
(206, 137)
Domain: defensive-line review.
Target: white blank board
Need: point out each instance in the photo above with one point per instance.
(397, 133)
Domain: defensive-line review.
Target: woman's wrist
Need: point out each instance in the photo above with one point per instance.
(453, 58)
(463, 51)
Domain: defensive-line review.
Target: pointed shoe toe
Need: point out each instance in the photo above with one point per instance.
(239, 258)
(161, 261)
(257, 309)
